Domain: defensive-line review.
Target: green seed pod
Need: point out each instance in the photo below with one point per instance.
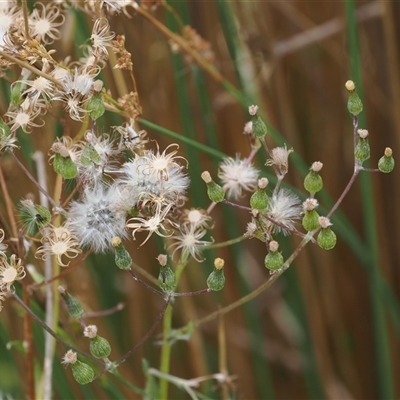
(354, 103)
(74, 308)
(362, 150)
(65, 166)
(167, 279)
(82, 372)
(273, 260)
(259, 200)
(259, 128)
(313, 182)
(216, 280)
(123, 259)
(310, 221)
(326, 239)
(100, 347)
(95, 106)
(386, 162)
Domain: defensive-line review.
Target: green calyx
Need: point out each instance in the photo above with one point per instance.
(74, 308)
(100, 347)
(273, 260)
(95, 106)
(216, 280)
(215, 192)
(386, 164)
(310, 221)
(354, 103)
(65, 166)
(327, 239)
(259, 128)
(313, 182)
(259, 200)
(123, 259)
(89, 156)
(167, 279)
(82, 372)
(362, 150)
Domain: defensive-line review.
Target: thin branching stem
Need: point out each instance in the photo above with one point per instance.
(31, 177)
(146, 336)
(49, 330)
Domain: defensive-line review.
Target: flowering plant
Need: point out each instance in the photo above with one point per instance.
(114, 189)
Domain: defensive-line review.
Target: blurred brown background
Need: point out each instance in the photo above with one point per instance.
(294, 60)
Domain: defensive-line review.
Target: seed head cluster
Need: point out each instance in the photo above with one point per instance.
(117, 184)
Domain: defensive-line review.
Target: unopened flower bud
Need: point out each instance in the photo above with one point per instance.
(259, 200)
(274, 259)
(386, 162)
(82, 372)
(326, 237)
(123, 259)
(74, 308)
(313, 182)
(167, 279)
(354, 104)
(258, 125)
(214, 191)
(100, 347)
(216, 280)
(362, 150)
(310, 221)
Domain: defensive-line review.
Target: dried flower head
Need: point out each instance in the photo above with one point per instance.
(162, 259)
(141, 180)
(101, 38)
(273, 245)
(197, 218)
(153, 224)
(10, 272)
(316, 166)
(189, 241)
(248, 128)
(284, 209)
(58, 241)
(3, 246)
(280, 160)
(90, 331)
(23, 117)
(324, 222)
(70, 357)
(160, 164)
(237, 176)
(310, 204)
(45, 21)
(363, 133)
(131, 139)
(98, 217)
